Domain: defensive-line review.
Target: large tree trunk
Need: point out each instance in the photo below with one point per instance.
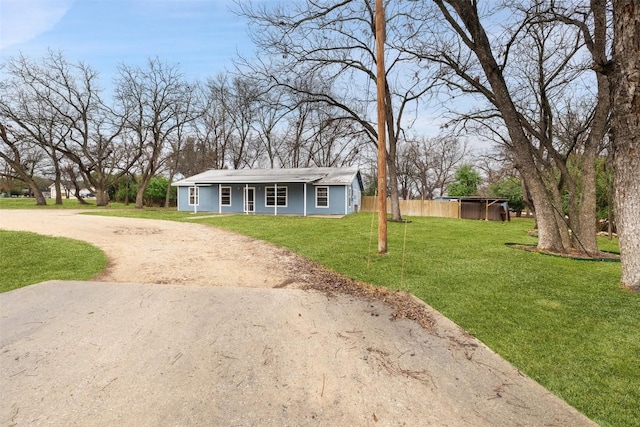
(140, 199)
(626, 129)
(392, 157)
(583, 220)
(56, 183)
(553, 232)
(584, 229)
(102, 197)
(40, 200)
(142, 187)
(393, 189)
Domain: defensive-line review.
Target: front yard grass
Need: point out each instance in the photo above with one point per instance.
(566, 323)
(28, 258)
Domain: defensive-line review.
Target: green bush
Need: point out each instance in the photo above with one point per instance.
(156, 191)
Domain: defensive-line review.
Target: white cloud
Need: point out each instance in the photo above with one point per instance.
(23, 20)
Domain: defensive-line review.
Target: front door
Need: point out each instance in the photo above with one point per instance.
(249, 199)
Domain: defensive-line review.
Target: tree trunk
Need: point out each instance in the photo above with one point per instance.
(140, 199)
(102, 197)
(583, 221)
(392, 157)
(142, 187)
(584, 229)
(33, 186)
(40, 200)
(393, 190)
(626, 130)
(167, 194)
(126, 194)
(81, 199)
(57, 185)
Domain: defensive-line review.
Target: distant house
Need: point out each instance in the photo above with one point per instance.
(301, 191)
(67, 191)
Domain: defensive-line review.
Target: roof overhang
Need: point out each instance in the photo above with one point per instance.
(316, 176)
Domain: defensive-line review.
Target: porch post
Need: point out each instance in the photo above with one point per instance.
(275, 204)
(304, 202)
(245, 199)
(219, 198)
(346, 199)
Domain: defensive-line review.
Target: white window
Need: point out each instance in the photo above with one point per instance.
(271, 198)
(322, 197)
(194, 196)
(225, 196)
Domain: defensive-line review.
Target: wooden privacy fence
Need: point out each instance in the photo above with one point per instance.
(467, 208)
(415, 207)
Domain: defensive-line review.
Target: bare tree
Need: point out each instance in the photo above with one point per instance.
(21, 156)
(524, 73)
(333, 43)
(67, 116)
(242, 111)
(30, 120)
(155, 102)
(626, 129)
(186, 114)
(207, 148)
(316, 134)
(270, 114)
(333, 142)
(434, 161)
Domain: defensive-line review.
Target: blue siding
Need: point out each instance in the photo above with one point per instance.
(339, 203)
(208, 199)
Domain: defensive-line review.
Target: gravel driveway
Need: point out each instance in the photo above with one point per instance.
(191, 325)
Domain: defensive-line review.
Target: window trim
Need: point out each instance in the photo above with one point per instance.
(319, 206)
(276, 196)
(222, 196)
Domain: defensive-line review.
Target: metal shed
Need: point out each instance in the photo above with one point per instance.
(486, 208)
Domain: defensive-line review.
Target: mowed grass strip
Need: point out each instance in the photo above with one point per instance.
(30, 203)
(566, 323)
(29, 258)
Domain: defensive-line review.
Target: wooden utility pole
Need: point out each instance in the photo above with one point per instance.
(382, 129)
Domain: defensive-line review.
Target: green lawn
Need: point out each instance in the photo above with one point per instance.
(28, 258)
(566, 323)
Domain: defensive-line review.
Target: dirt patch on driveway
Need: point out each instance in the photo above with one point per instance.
(183, 340)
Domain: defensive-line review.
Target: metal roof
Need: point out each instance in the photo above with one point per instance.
(473, 199)
(317, 176)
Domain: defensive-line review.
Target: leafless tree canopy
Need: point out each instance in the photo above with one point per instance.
(323, 53)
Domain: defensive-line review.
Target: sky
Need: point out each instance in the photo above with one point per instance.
(202, 36)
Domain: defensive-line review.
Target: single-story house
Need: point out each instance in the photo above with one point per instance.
(299, 191)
